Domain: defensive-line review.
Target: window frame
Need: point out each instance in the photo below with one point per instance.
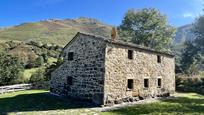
(158, 58)
(146, 83)
(70, 56)
(159, 82)
(130, 54)
(130, 83)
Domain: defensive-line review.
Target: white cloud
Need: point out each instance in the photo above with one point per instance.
(195, 7)
(188, 15)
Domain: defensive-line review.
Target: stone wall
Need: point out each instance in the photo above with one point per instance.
(144, 65)
(86, 70)
(100, 70)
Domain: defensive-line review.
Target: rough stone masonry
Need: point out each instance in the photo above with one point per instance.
(108, 72)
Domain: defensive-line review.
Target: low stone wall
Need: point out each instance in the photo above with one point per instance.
(133, 99)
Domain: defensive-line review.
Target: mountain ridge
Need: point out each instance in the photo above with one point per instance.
(184, 33)
(61, 31)
(54, 30)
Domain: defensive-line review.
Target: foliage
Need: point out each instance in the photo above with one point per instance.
(10, 69)
(31, 62)
(37, 44)
(12, 44)
(39, 61)
(28, 73)
(193, 55)
(52, 67)
(190, 84)
(38, 76)
(190, 59)
(45, 57)
(147, 27)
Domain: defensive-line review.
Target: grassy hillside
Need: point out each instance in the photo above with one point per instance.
(59, 32)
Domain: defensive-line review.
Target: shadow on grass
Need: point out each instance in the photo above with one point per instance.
(180, 105)
(38, 102)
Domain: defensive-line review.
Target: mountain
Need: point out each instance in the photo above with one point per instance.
(60, 32)
(55, 31)
(184, 33)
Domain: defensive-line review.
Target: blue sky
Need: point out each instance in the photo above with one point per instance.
(14, 12)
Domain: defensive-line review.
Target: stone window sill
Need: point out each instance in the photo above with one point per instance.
(128, 89)
(145, 88)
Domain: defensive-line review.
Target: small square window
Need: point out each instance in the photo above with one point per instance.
(130, 54)
(70, 56)
(146, 83)
(158, 59)
(159, 82)
(130, 84)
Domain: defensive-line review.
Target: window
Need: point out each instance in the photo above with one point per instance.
(70, 56)
(146, 83)
(159, 82)
(130, 54)
(69, 80)
(158, 58)
(130, 84)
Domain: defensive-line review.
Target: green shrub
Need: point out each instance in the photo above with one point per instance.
(190, 84)
(45, 57)
(39, 61)
(52, 67)
(38, 76)
(10, 69)
(35, 43)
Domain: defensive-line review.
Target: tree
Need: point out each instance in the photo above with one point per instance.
(193, 54)
(52, 67)
(38, 76)
(45, 57)
(147, 27)
(31, 62)
(39, 61)
(10, 69)
(190, 59)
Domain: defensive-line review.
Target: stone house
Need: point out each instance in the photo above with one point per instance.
(107, 71)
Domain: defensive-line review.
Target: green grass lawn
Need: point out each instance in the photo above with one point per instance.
(185, 103)
(32, 102)
(29, 72)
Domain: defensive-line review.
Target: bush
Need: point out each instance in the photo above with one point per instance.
(38, 76)
(39, 61)
(35, 43)
(52, 67)
(190, 84)
(45, 57)
(10, 69)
